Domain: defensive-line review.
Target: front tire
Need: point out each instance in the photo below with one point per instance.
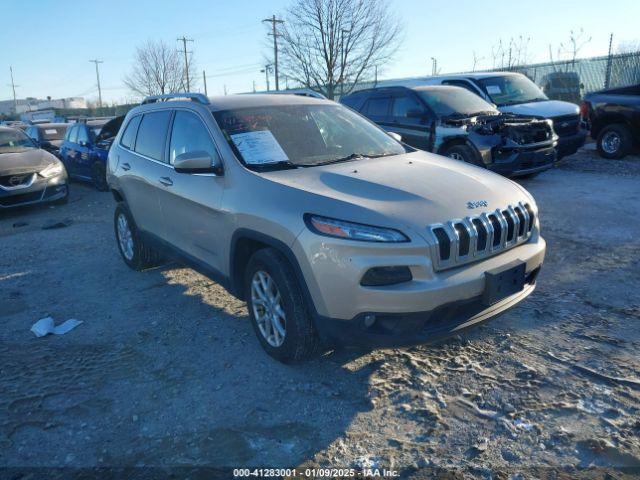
(278, 309)
(614, 141)
(134, 251)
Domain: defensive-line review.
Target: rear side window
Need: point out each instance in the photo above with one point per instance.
(152, 134)
(128, 139)
(377, 107)
(190, 135)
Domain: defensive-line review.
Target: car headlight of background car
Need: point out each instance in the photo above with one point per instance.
(52, 170)
(332, 227)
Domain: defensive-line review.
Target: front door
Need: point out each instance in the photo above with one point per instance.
(191, 202)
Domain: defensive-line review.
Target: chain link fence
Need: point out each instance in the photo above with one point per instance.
(562, 80)
(570, 80)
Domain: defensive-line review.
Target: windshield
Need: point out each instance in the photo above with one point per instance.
(302, 135)
(446, 101)
(511, 89)
(12, 141)
(53, 133)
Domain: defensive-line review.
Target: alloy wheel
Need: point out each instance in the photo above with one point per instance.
(266, 303)
(125, 237)
(611, 143)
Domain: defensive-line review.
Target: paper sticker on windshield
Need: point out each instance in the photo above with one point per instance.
(259, 147)
(50, 132)
(494, 89)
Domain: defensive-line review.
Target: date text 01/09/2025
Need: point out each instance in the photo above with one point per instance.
(315, 473)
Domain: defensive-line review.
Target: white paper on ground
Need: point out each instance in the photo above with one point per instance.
(259, 147)
(45, 326)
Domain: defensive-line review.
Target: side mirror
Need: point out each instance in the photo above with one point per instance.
(395, 136)
(415, 113)
(196, 162)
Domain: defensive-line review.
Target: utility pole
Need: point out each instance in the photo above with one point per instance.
(254, 86)
(607, 78)
(204, 79)
(265, 70)
(184, 41)
(274, 21)
(375, 81)
(98, 78)
(13, 87)
(434, 66)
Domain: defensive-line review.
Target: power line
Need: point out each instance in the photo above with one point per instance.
(274, 21)
(98, 78)
(184, 41)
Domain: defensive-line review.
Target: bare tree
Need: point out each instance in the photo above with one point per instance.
(577, 40)
(331, 45)
(158, 68)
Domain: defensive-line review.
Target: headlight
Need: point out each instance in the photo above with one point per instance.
(52, 170)
(331, 227)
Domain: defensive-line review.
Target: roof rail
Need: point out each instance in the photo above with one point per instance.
(194, 97)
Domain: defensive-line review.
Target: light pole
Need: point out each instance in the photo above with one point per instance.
(266, 70)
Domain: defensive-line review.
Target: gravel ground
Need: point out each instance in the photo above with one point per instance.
(166, 371)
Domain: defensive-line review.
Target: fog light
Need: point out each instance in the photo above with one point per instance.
(381, 276)
(369, 320)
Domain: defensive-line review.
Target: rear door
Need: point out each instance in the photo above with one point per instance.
(411, 120)
(191, 202)
(377, 108)
(142, 168)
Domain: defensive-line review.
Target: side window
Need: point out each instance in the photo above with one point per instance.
(128, 139)
(190, 135)
(73, 134)
(152, 134)
(31, 132)
(377, 107)
(83, 137)
(402, 105)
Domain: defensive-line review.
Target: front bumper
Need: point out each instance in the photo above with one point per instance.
(43, 190)
(569, 144)
(401, 330)
(333, 268)
(523, 162)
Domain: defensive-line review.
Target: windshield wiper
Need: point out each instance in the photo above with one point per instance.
(353, 156)
(280, 165)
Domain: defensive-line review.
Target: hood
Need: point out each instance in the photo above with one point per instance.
(412, 190)
(544, 109)
(25, 162)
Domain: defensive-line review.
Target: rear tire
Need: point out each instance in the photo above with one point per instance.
(278, 309)
(614, 141)
(135, 252)
(463, 153)
(99, 177)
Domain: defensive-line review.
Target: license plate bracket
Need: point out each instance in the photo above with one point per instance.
(504, 281)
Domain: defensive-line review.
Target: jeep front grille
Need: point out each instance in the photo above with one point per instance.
(476, 237)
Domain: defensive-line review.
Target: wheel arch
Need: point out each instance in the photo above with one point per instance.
(244, 243)
(456, 141)
(606, 120)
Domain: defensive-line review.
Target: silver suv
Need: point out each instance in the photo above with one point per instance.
(333, 231)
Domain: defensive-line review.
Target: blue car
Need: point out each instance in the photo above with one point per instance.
(85, 148)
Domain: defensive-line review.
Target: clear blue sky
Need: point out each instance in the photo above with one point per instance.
(49, 42)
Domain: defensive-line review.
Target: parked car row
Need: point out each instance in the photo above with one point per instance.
(337, 225)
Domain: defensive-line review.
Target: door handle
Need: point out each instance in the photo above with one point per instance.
(166, 181)
(126, 166)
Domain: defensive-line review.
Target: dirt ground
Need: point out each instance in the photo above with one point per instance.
(166, 371)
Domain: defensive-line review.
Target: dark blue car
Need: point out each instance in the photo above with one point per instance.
(85, 148)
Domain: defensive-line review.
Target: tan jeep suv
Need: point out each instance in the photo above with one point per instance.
(333, 231)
